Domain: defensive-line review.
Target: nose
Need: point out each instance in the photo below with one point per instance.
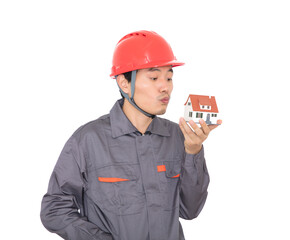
(165, 85)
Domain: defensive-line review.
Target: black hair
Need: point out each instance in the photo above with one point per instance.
(128, 76)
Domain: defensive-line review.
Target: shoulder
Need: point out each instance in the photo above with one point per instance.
(92, 128)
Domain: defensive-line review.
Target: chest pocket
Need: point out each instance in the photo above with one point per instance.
(119, 189)
(169, 176)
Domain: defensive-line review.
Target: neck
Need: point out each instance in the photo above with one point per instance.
(138, 119)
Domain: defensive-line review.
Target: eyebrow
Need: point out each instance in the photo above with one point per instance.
(156, 69)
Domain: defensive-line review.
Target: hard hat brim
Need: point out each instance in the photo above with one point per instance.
(173, 63)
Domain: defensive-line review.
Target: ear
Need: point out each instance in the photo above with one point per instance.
(123, 84)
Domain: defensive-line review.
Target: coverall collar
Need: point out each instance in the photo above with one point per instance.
(121, 125)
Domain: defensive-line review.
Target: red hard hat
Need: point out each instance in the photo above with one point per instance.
(142, 49)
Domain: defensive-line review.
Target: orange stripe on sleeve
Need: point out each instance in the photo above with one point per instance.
(105, 179)
(178, 175)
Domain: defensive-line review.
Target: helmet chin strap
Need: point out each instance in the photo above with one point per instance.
(131, 100)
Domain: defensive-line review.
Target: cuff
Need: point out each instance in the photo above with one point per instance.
(192, 159)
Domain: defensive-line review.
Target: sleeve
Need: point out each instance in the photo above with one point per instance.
(62, 205)
(193, 185)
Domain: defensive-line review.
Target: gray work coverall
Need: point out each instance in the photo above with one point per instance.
(112, 182)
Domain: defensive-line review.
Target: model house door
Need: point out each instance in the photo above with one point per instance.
(208, 119)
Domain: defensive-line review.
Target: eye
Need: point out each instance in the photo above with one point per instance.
(169, 79)
(154, 78)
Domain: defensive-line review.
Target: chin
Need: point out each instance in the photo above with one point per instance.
(161, 112)
(156, 111)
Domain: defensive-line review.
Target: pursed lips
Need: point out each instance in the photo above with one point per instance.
(165, 99)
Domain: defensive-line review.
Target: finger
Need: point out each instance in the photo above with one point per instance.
(182, 128)
(185, 127)
(212, 127)
(204, 127)
(219, 122)
(188, 133)
(196, 128)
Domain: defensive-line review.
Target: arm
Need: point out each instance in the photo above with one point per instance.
(61, 204)
(194, 178)
(193, 185)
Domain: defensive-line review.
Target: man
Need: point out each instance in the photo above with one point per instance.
(130, 175)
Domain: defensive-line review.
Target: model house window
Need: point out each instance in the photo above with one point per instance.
(205, 107)
(199, 115)
(189, 103)
(214, 115)
(190, 114)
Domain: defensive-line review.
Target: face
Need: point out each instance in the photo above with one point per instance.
(153, 88)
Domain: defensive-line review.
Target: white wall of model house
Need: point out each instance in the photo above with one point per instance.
(189, 114)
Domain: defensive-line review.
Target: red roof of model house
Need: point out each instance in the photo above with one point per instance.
(197, 101)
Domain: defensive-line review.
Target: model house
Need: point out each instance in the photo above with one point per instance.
(199, 106)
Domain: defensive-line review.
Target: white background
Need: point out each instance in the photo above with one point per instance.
(55, 60)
